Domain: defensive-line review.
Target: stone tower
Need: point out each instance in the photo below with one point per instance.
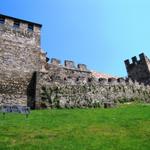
(139, 70)
(20, 56)
(20, 45)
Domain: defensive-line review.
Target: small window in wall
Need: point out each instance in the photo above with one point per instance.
(16, 24)
(2, 20)
(30, 27)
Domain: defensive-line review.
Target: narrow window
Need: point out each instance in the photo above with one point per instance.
(30, 27)
(16, 24)
(2, 20)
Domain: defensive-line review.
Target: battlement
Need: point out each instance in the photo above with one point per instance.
(135, 61)
(68, 64)
(82, 67)
(77, 79)
(139, 69)
(55, 61)
(16, 23)
(20, 31)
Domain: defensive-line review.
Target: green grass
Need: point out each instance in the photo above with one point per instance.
(123, 128)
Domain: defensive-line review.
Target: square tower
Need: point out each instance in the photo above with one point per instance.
(139, 70)
(21, 57)
(19, 44)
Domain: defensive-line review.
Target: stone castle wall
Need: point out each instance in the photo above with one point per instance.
(13, 88)
(26, 77)
(67, 72)
(88, 92)
(69, 86)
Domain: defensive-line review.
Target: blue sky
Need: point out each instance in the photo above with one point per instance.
(99, 33)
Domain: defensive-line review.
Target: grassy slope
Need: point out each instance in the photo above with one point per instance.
(124, 128)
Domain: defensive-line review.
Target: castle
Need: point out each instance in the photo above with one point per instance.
(27, 77)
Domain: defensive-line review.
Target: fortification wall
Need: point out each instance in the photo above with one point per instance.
(89, 92)
(27, 79)
(68, 72)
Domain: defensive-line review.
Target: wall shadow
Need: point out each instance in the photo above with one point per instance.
(31, 91)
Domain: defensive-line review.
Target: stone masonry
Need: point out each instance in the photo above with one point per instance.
(20, 57)
(27, 78)
(139, 70)
(65, 87)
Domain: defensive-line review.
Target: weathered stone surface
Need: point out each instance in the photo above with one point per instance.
(20, 57)
(139, 70)
(26, 77)
(62, 94)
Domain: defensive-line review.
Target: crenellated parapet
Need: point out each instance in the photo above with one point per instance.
(26, 31)
(20, 23)
(70, 73)
(135, 61)
(75, 79)
(55, 61)
(139, 69)
(82, 67)
(69, 65)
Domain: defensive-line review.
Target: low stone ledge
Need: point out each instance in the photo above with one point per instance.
(109, 104)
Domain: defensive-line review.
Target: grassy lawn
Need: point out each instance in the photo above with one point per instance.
(123, 128)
